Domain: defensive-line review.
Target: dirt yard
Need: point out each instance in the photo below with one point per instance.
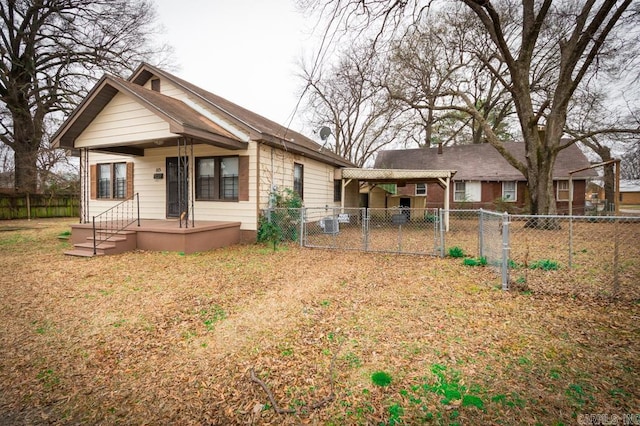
(246, 335)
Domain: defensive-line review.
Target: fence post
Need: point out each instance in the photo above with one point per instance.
(302, 227)
(365, 227)
(505, 251)
(481, 234)
(616, 244)
(441, 213)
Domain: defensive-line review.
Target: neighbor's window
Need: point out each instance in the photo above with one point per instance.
(298, 179)
(563, 190)
(459, 191)
(421, 189)
(217, 178)
(509, 191)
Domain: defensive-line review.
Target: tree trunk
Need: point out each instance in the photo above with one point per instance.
(26, 174)
(26, 144)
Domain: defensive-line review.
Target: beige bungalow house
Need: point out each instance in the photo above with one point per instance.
(186, 169)
(484, 179)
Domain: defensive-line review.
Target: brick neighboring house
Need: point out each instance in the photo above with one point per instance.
(484, 179)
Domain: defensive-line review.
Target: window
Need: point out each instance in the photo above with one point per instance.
(509, 192)
(155, 85)
(337, 190)
(104, 180)
(113, 180)
(217, 178)
(298, 179)
(229, 178)
(563, 190)
(205, 180)
(421, 189)
(459, 191)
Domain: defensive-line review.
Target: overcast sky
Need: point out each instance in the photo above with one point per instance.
(243, 50)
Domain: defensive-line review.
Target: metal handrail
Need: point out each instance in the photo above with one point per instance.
(115, 219)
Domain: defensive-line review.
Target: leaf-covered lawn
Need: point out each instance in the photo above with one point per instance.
(336, 337)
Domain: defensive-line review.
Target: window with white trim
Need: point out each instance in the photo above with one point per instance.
(509, 191)
(562, 190)
(459, 191)
(421, 189)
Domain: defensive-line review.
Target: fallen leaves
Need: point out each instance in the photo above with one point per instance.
(157, 338)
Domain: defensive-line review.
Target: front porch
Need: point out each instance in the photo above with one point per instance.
(157, 235)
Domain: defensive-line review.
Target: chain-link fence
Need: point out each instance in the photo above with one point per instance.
(596, 255)
(577, 255)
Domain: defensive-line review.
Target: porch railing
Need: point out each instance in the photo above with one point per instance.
(108, 223)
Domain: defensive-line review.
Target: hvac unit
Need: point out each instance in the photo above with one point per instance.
(330, 225)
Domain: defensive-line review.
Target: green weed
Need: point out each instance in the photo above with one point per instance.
(456, 252)
(381, 378)
(545, 265)
(212, 316)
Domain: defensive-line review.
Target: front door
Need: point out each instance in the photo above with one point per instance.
(177, 187)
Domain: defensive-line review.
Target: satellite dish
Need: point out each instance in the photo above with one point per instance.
(324, 133)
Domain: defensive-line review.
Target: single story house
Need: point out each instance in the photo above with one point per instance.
(630, 191)
(483, 179)
(197, 169)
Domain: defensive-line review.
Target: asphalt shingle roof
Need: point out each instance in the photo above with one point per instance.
(479, 161)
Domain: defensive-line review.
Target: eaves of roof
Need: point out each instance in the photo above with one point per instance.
(260, 129)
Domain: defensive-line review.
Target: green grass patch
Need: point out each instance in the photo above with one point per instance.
(381, 378)
(480, 261)
(545, 265)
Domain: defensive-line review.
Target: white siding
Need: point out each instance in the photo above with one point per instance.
(276, 172)
(123, 120)
(152, 192)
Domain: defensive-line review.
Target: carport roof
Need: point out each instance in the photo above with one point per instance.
(395, 175)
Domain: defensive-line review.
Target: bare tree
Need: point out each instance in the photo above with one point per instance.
(549, 49)
(631, 163)
(345, 99)
(437, 57)
(603, 125)
(50, 51)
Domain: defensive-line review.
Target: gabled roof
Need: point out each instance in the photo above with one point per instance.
(261, 129)
(480, 161)
(185, 120)
(181, 118)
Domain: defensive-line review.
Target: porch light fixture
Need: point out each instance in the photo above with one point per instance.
(158, 142)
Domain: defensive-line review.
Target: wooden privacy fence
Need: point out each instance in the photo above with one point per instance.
(30, 206)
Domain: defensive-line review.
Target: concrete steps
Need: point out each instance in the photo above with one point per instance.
(120, 242)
